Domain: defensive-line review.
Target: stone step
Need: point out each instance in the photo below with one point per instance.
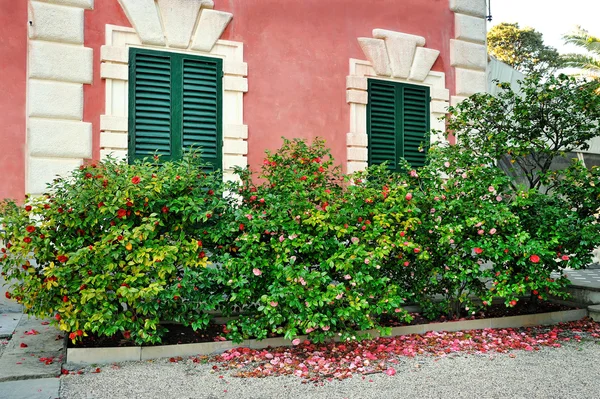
(594, 312)
(32, 356)
(8, 323)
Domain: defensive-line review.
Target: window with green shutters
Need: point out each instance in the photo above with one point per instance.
(175, 104)
(397, 123)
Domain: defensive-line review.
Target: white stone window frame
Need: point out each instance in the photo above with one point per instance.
(391, 53)
(115, 71)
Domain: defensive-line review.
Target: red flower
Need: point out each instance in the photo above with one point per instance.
(120, 238)
(321, 169)
(57, 317)
(65, 298)
(46, 206)
(27, 240)
(104, 183)
(129, 203)
(100, 204)
(565, 257)
(211, 192)
(7, 295)
(126, 334)
(199, 243)
(417, 250)
(165, 209)
(478, 250)
(88, 175)
(136, 179)
(79, 333)
(59, 210)
(30, 229)
(303, 178)
(72, 336)
(121, 213)
(202, 255)
(28, 208)
(534, 258)
(208, 215)
(513, 303)
(23, 345)
(408, 196)
(42, 236)
(241, 226)
(61, 258)
(176, 297)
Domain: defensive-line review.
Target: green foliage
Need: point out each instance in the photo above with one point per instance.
(116, 248)
(589, 62)
(552, 116)
(522, 48)
(311, 249)
(300, 248)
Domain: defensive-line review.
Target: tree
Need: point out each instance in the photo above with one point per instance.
(589, 62)
(522, 48)
(552, 116)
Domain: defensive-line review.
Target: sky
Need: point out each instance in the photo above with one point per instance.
(552, 18)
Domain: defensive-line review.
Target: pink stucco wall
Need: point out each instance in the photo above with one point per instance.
(298, 58)
(13, 64)
(104, 12)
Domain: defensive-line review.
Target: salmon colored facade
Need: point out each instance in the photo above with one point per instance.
(290, 68)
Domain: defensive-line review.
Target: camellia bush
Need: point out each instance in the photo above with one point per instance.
(310, 248)
(116, 248)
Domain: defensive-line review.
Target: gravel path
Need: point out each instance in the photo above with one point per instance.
(567, 372)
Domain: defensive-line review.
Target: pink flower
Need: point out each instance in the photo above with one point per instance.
(347, 277)
(451, 241)
(491, 189)
(354, 240)
(478, 250)
(480, 232)
(390, 371)
(339, 296)
(296, 341)
(408, 196)
(309, 330)
(256, 272)
(413, 173)
(397, 310)
(432, 210)
(326, 328)
(499, 198)
(249, 216)
(447, 164)
(492, 231)
(281, 238)
(274, 304)
(565, 257)
(367, 261)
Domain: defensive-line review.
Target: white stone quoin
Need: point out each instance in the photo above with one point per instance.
(58, 67)
(468, 52)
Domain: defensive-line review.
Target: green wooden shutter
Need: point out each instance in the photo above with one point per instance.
(150, 105)
(175, 104)
(202, 109)
(415, 123)
(381, 123)
(397, 123)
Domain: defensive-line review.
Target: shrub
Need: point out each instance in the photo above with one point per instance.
(116, 248)
(310, 249)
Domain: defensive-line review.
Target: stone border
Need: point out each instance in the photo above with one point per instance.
(137, 353)
(185, 27)
(58, 66)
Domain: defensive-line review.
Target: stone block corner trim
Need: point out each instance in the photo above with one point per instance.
(86, 356)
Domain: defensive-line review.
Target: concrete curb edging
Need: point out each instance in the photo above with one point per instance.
(85, 356)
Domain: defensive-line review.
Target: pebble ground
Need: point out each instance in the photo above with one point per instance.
(567, 372)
